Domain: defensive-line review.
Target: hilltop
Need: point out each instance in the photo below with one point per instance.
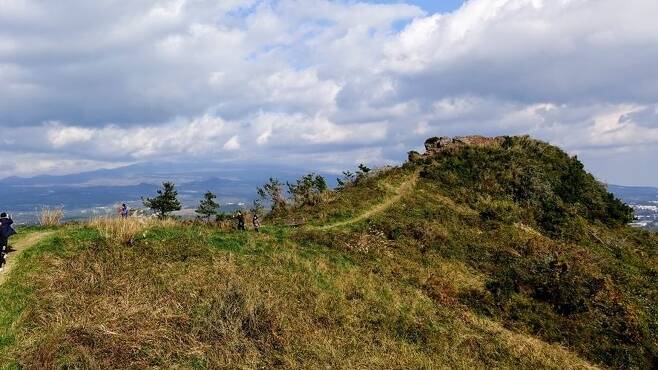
(480, 252)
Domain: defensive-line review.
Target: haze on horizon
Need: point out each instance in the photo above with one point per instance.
(321, 84)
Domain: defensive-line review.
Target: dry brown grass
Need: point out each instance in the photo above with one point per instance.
(551, 356)
(172, 301)
(125, 230)
(51, 217)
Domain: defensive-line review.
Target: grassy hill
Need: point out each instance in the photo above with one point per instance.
(496, 253)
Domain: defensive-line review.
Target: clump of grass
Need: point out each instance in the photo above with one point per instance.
(51, 217)
(126, 230)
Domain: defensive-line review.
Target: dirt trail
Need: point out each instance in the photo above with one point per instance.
(401, 191)
(18, 248)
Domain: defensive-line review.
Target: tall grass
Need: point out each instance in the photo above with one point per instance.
(51, 217)
(126, 230)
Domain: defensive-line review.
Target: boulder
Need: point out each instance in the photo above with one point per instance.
(436, 145)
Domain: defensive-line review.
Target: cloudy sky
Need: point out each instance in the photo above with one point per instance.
(323, 84)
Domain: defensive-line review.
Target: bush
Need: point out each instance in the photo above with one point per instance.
(51, 217)
(503, 211)
(414, 157)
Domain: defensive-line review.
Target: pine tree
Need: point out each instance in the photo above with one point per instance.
(363, 172)
(347, 180)
(308, 189)
(207, 206)
(165, 202)
(273, 192)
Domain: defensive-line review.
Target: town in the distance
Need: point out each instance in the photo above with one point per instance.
(643, 200)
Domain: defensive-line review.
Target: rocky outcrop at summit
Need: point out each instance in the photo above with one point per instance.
(436, 145)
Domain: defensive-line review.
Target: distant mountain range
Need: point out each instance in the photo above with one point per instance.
(634, 194)
(98, 191)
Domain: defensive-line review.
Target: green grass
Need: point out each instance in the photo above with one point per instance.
(228, 299)
(18, 292)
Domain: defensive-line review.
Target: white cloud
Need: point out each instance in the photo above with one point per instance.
(29, 164)
(232, 143)
(63, 136)
(529, 50)
(320, 80)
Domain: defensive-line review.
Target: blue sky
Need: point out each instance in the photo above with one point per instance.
(436, 6)
(323, 85)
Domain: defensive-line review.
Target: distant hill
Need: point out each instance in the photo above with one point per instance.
(84, 193)
(479, 253)
(635, 194)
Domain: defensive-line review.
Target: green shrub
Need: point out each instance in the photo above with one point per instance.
(504, 211)
(539, 178)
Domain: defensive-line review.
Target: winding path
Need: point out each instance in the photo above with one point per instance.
(18, 247)
(402, 190)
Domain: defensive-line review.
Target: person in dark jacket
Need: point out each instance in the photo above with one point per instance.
(241, 221)
(5, 232)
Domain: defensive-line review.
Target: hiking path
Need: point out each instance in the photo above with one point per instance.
(18, 247)
(401, 191)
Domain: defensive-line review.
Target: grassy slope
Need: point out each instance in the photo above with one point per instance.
(438, 279)
(198, 297)
(522, 235)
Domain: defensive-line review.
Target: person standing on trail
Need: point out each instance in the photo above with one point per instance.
(256, 221)
(5, 232)
(241, 221)
(123, 211)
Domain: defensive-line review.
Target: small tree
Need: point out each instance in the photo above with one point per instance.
(207, 206)
(363, 172)
(273, 192)
(320, 184)
(307, 189)
(347, 179)
(165, 202)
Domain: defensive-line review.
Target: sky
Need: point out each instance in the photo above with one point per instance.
(430, 6)
(323, 85)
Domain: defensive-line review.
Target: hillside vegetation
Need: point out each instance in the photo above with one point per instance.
(504, 253)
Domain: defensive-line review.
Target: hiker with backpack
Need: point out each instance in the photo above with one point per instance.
(5, 232)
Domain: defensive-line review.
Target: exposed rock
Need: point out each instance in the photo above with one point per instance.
(434, 143)
(439, 144)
